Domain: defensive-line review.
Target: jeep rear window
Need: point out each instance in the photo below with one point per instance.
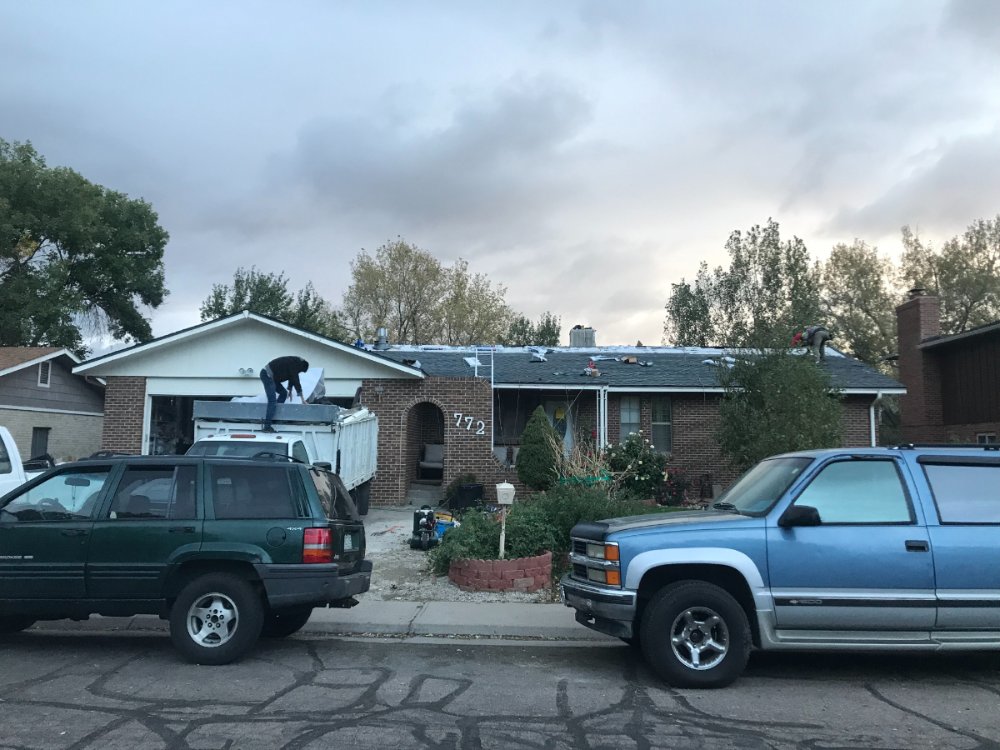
(251, 492)
(336, 501)
(757, 490)
(235, 448)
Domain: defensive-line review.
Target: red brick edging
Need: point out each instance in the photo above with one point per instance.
(519, 574)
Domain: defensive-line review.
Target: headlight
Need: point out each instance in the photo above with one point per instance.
(603, 551)
(608, 577)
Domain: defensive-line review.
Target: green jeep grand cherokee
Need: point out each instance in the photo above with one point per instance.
(225, 549)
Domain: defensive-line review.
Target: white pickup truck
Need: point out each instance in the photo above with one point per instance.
(12, 471)
(343, 440)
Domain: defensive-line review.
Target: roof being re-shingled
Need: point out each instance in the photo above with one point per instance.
(669, 368)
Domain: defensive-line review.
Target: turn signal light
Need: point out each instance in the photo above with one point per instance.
(614, 578)
(317, 546)
(611, 552)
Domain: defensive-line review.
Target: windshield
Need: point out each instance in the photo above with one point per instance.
(236, 448)
(759, 489)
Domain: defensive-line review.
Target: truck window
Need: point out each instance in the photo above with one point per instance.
(299, 453)
(858, 492)
(155, 492)
(252, 492)
(965, 494)
(236, 448)
(63, 497)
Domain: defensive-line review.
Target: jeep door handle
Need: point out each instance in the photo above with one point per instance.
(181, 530)
(74, 532)
(916, 545)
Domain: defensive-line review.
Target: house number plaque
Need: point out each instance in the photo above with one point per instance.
(461, 419)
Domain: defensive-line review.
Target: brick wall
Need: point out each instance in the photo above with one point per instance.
(920, 410)
(124, 406)
(400, 405)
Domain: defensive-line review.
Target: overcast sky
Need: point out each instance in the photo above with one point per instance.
(583, 154)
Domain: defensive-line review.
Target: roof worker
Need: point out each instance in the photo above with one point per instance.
(815, 338)
(272, 375)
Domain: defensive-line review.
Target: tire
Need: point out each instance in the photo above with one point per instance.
(14, 624)
(281, 623)
(216, 619)
(425, 540)
(695, 635)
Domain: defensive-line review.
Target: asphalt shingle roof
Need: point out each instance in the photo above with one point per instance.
(668, 368)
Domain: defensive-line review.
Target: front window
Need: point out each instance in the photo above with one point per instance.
(865, 491)
(761, 487)
(629, 415)
(67, 496)
(662, 435)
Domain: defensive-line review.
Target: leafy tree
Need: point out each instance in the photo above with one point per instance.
(522, 332)
(768, 290)
(858, 294)
(776, 401)
(473, 310)
(420, 301)
(964, 274)
(538, 458)
(73, 256)
(267, 294)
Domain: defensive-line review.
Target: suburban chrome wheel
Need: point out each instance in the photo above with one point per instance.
(212, 620)
(699, 638)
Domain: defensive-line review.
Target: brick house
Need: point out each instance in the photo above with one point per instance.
(47, 408)
(470, 404)
(952, 382)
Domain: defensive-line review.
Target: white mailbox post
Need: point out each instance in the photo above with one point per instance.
(505, 498)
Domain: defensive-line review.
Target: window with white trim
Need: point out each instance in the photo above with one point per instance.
(629, 415)
(44, 374)
(662, 435)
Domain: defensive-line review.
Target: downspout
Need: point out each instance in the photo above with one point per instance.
(871, 419)
(602, 436)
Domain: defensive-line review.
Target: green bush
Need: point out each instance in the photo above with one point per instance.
(534, 526)
(637, 468)
(538, 458)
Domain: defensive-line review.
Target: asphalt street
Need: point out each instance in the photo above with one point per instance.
(129, 690)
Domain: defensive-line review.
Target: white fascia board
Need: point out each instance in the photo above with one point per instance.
(229, 387)
(845, 391)
(172, 338)
(39, 360)
(7, 407)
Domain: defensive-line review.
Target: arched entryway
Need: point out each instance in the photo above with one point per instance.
(425, 444)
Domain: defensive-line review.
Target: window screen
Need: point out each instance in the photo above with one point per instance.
(861, 491)
(252, 492)
(662, 436)
(629, 415)
(965, 494)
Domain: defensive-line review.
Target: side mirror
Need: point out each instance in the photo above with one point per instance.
(799, 515)
(324, 465)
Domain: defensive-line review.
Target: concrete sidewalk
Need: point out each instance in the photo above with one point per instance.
(403, 619)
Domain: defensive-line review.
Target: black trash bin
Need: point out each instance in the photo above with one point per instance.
(468, 496)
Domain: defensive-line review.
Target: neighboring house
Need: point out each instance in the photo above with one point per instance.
(47, 408)
(952, 382)
(469, 405)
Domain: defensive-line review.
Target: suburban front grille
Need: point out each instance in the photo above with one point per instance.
(579, 547)
(580, 571)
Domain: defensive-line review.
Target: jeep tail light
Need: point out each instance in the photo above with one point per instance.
(317, 546)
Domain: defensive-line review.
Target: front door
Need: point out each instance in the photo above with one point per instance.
(151, 523)
(44, 534)
(867, 566)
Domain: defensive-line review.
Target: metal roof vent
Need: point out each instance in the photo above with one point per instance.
(382, 340)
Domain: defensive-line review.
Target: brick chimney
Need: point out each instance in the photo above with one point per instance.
(921, 416)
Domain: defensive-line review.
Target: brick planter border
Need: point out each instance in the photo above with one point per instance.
(519, 574)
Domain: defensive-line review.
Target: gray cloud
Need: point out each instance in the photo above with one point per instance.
(961, 185)
(977, 19)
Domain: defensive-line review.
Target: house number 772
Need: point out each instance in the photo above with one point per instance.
(469, 421)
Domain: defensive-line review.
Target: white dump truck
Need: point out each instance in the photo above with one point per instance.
(343, 440)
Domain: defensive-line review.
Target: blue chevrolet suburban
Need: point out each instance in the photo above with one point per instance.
(847, 549)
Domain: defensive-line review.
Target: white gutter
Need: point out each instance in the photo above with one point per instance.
(871, 420)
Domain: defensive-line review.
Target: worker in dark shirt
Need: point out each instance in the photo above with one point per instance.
(272, 375)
